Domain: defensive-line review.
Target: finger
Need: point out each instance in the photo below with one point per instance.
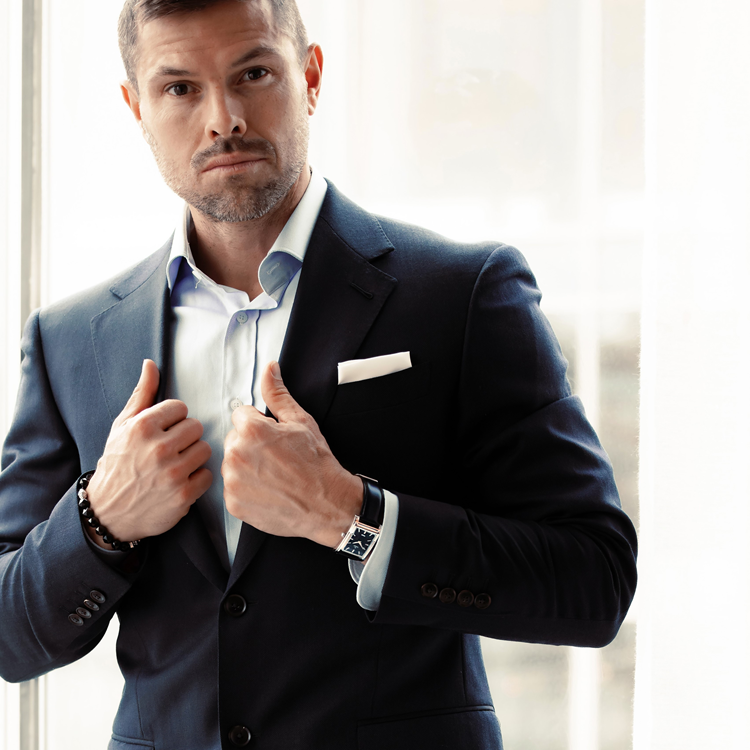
(193, 457)
(277, 398)
(184, 434)
(165, 414)
(199, 483)
(144, 393)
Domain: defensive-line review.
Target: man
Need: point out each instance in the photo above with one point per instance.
(403, 357)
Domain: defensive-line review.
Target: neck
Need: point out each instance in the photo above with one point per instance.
(230, 253)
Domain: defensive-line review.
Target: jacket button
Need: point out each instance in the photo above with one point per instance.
(482, 601)
(235, 605)
(448, 596)
(429, 590)
(76, 620)
(465, 599)
(239, 736)
(98, 597)
(82, 612)
(93, 606)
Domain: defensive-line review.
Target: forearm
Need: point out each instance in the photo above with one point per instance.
(42, 583)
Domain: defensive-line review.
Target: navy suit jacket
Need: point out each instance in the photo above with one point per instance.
(504, 490)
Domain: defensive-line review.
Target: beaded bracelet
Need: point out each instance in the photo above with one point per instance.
(87, 512)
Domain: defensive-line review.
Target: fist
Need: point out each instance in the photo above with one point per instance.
(150, 473)
(281, 477)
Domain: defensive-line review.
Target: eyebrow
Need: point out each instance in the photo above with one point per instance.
(166, 71)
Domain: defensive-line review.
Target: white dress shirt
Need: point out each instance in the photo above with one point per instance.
(221, 341)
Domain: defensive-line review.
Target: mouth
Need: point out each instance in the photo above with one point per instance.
(229, 163)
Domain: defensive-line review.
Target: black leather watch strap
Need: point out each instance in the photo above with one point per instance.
(373, 503)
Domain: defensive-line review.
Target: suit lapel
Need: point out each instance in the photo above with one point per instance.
(339, 296)
(135, 328)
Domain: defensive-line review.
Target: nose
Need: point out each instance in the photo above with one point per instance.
(225, 116)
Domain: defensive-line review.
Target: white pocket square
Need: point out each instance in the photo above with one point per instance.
(374, 367)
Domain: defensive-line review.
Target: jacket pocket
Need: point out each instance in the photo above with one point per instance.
(126, 743)
(382, 392)
(474, 728)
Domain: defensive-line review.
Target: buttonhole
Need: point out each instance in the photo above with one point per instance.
(363, 292)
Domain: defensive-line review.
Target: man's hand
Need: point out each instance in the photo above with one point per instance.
(150, 473)
(282, 477)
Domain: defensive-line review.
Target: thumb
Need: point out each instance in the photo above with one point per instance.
(145, 391)
(276, 396)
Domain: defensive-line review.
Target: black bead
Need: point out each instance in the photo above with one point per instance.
(93, 522)
(84, 503)
(87, 512)
(100, 530)
(107, 538)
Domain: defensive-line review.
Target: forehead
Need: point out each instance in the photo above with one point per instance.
(214, 33)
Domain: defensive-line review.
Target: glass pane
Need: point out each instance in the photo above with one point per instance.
(529, 687)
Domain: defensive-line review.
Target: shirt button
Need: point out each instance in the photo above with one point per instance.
(242, 317)
(235, 404)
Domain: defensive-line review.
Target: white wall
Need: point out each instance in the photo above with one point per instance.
(693, 660)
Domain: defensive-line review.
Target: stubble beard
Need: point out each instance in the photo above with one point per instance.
(236, 201)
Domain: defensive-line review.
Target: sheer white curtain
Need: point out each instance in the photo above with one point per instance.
(693, 658)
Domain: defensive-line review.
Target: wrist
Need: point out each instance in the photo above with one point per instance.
(359, 540)
(94, 527)
(348, 494)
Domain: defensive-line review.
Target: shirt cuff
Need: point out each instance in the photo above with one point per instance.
(370, 576)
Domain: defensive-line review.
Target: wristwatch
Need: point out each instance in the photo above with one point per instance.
(359, 541)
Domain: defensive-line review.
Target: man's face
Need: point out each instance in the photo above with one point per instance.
(224, 103)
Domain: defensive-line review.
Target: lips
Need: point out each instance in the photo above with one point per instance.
(231, 160)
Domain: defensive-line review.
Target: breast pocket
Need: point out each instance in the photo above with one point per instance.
(380, 393)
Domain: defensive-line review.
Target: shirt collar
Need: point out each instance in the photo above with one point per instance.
(274, 272)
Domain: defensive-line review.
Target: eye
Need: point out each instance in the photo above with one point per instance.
(178, 89)
(254, 74)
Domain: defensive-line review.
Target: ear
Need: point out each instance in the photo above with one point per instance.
(130, 95)
(313, 76)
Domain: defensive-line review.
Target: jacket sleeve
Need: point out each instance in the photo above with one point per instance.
(47, 568)
(537, 529)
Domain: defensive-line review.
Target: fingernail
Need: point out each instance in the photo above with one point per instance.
(143, 366)
(276, 370)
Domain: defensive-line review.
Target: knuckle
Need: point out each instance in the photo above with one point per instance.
(161, 451)
(174, 474)
(195, 425)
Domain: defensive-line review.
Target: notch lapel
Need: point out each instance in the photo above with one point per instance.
(135, 328)
(339, 297)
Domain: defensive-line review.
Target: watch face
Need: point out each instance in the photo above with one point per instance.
(359, 542)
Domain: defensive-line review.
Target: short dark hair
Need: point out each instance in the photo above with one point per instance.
(137, 12)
